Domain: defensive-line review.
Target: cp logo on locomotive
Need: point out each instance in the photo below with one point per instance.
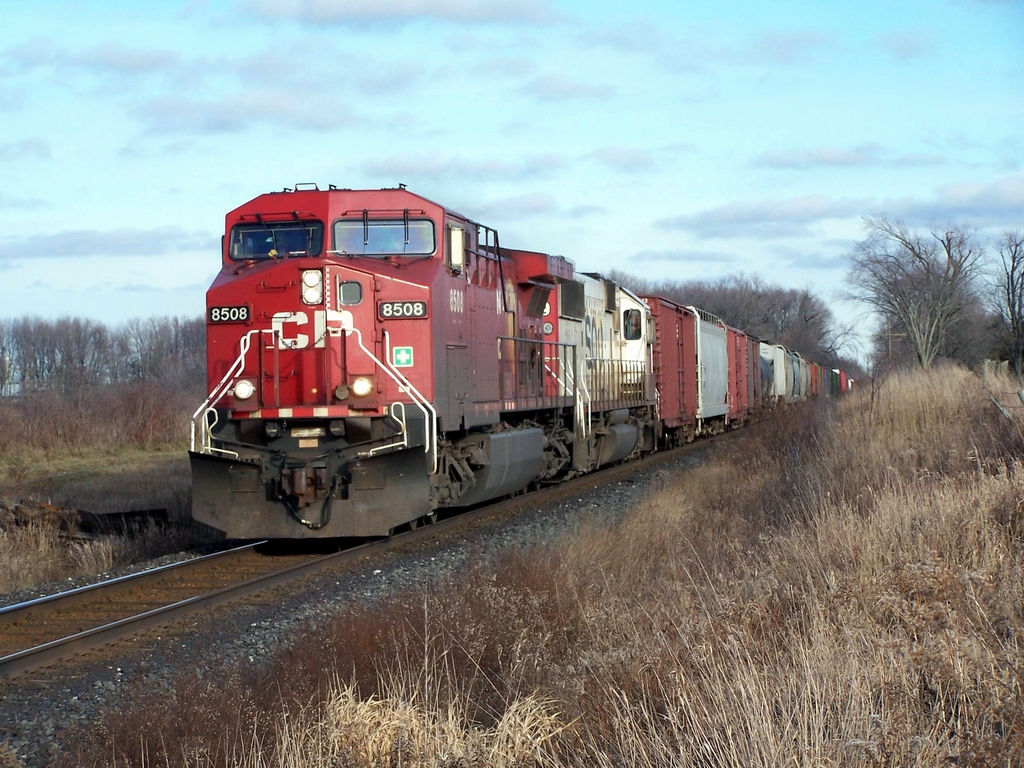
(323, 321)
(277, 323)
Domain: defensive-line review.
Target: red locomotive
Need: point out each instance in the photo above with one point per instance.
(374, 356)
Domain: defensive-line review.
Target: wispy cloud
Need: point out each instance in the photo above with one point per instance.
(355, 12)
(506, 66)
(996, 204)
(26, 148)
(623, 159)
(581, 211)
(918, 160)
(635, 36)
(701, 52)
(869, 153)
(864, 154)
(116, 242)
(904, 45)
(687, 256)
(767, 218)
(516, 207)
(788, 47)
(23, 203)
(111, 57)
(796, 259)
(561, 88)
(11, 99)
(238, 112)
(402, 167)
(993, 204)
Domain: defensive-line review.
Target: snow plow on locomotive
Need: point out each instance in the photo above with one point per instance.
(374, 357)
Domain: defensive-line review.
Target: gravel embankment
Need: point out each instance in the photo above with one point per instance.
(37, 709)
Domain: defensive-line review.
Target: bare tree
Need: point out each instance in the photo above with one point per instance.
(924, 283)
(1011, 296)
(794, 318)
(73, 355)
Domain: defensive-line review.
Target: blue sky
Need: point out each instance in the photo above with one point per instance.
(666, 139)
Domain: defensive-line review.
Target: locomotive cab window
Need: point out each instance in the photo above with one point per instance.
(275, 240)
(632, 325)
(384, 237)
(350, 293)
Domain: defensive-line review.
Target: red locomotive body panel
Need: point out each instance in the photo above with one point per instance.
(299, 355)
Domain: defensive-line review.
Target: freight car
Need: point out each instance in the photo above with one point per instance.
(374, 357)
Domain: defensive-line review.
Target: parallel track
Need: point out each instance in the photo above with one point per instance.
(46, 630)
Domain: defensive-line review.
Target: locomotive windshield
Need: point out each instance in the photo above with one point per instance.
(276, 239)
(381, 237)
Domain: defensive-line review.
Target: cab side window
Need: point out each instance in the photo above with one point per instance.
(632, 324)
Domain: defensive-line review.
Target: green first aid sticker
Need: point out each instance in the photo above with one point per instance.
(401, 357)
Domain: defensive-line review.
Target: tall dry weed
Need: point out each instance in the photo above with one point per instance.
(843, 588)
(41, 553)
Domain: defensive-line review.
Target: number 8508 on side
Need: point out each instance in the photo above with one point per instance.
(401, 309)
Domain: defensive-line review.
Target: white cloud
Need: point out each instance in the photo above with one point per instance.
(687, 256)
(111, 57)
(623, 159)
(996, 204)
(864, 154)
(353, 12)
(11, 99)
(561, 88)
(766, 218)
(580, 211)
(26, 148)
(116, 242)
(23, 203)
(428, 166)
(519, 206)
(636, 36)
(790, 47)
(238, 112)
(904, 45)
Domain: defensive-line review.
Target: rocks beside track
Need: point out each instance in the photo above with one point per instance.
(37, 710)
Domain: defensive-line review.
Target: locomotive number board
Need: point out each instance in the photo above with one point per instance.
(393, 310)
(228, 314)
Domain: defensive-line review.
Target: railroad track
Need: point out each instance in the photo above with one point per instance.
(44, 631)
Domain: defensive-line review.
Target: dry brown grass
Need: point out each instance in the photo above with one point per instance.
(845, 587)
(41, 552)
(110, 417)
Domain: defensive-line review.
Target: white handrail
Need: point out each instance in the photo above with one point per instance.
(565, 387)
(404, 443)
(583, 400)
(217, 393)
(417, 398)
(403, 383)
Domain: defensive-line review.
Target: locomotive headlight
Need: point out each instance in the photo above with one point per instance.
(244, 390)
(361, 387)
(312, 286)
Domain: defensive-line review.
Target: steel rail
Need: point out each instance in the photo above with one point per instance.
(59, 649)
(74, 596)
